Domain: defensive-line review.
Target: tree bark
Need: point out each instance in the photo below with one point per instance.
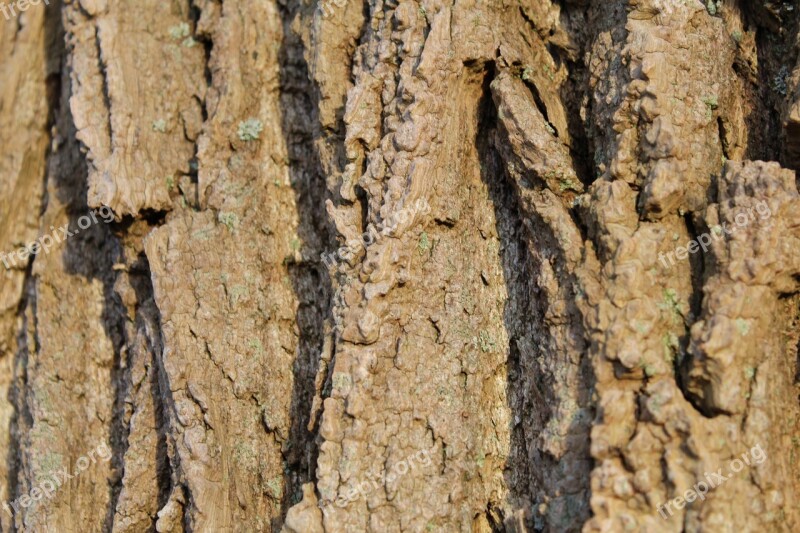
(323, 266)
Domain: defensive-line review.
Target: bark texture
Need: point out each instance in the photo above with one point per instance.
(398, 265)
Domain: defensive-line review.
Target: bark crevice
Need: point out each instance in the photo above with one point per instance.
(309, 276)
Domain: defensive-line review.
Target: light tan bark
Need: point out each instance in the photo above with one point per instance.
(400, 266)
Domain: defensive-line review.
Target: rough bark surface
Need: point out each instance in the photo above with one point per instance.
(398, 265)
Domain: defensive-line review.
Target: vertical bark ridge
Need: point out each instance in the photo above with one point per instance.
(240, 394)
(667, 162)
(71, 370)
(29, 62)
(143, 138)
(147, 481)
(392, 145)
(551, 344)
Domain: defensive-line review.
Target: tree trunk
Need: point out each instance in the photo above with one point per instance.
(335, 266)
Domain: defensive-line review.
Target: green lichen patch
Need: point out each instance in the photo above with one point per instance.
(236, 292)
(485, 341)
(671, 346)
(275, 486)
(743, 326)
(711, 102)
(671, 304)
(527, 73)
(713, 6)
(230, 220)
(424, 243)
(250, 129)
(180, 31)
(256, 345)
(566, 184)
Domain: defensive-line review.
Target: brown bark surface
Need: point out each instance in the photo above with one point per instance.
(399, 265)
